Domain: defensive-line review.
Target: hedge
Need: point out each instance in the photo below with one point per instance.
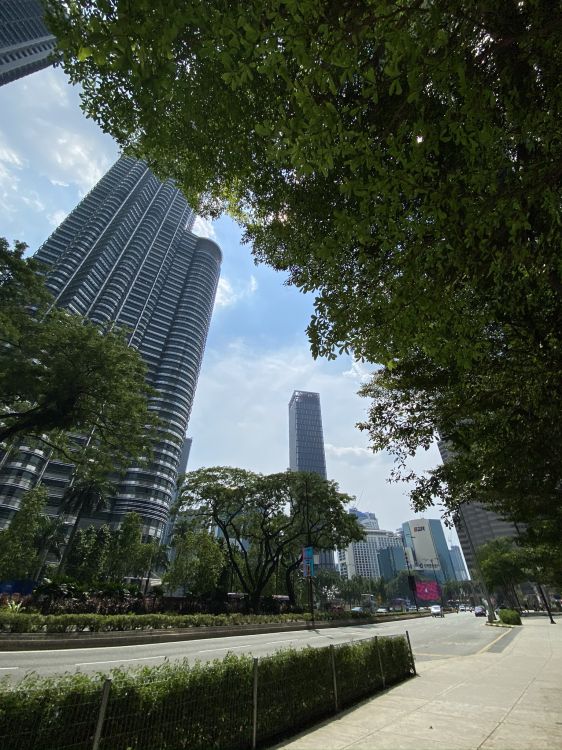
(24, 622)
(176, 707)
(509, 616)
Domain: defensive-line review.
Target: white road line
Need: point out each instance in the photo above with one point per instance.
(116, 661)
(223, 648)
(4, 669)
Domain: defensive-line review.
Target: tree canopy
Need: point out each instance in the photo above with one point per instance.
(62, 375)
(401, 158)
(265, 520)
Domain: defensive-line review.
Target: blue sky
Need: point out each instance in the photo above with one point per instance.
(257, 351)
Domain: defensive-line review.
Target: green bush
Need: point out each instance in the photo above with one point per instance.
(509, 617)
(24, 622)
(176, 706)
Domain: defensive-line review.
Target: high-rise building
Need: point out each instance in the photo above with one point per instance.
(306, 437)
(126, 255)
(425, 537)
(26, 44)
(474, 523)
(362, 558)
(458, 563)
(306, 446)
(392, 561)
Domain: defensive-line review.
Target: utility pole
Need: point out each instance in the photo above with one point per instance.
(411, 578)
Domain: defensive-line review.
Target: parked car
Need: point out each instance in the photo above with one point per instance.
(382, 611)
(462, 608)
(357, 609)
(437, 611)
(479, 612)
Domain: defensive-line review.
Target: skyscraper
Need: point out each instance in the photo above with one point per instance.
(126, 255)
(474, 523)
(458, 563)
(425, 537)
(306, 445)
(26, 43)
(306, 437)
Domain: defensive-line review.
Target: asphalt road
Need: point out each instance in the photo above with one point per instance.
(432, 638)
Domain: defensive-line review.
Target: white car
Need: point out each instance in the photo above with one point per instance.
(436, 611)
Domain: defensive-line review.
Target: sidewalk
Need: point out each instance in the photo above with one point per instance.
(508, 697)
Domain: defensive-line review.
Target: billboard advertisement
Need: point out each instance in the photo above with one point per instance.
(428, 590)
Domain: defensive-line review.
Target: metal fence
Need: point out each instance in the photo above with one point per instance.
(235, 704)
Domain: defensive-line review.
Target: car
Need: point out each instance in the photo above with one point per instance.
(382, 611)
(462, 608)
(479, 612)
(437, 611)
(357, 609)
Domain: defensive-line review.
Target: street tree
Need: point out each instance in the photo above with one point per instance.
(503, 566)
(505, 449)
(267, 520)
(197, 563)
(62, 376)
(401, 159)
(19, 548)
(128, 554)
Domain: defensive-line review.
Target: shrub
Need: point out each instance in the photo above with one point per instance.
(176, 706)
(25, 622)
(509, 617)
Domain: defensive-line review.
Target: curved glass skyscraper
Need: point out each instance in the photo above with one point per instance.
(26, 44)
(126, 255)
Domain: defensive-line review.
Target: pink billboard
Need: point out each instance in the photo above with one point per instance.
(427, 590)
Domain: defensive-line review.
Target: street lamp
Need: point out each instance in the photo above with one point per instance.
(411, 577)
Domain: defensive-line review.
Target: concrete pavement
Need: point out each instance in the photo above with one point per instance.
(508, 696)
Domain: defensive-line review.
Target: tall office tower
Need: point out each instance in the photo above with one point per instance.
(26, 43)
(425, 537)
(126, 255)
(362, 558)
(458, 564)
(306, 446)
(475, 524)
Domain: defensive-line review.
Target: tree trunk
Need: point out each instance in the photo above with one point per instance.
(68, 545)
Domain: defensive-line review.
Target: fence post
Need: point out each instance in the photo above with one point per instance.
(101, 715)
(411, 653)
(334, 676)
(255, 705)
(380, 662)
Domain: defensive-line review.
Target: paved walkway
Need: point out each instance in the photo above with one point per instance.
(506, 697)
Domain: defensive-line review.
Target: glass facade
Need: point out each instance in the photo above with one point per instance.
(126, 255)
(306, 446)
(26, 43)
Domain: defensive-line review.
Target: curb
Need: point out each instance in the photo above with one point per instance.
(47, 641)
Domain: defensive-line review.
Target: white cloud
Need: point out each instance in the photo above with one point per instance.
(57, 217)
(359, 371)
(59, 183)
(227, 295)
(204, 228)
(9, 156)
(33, 201)
(354, 451)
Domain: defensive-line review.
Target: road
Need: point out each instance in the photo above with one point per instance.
(432, 638)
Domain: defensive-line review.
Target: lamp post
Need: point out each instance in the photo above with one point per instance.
(411, 577)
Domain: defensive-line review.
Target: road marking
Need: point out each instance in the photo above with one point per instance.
(223, 648)
(4, 669)
(485, 648)
(116, 661)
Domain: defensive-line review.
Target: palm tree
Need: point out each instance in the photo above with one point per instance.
(86, 495)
